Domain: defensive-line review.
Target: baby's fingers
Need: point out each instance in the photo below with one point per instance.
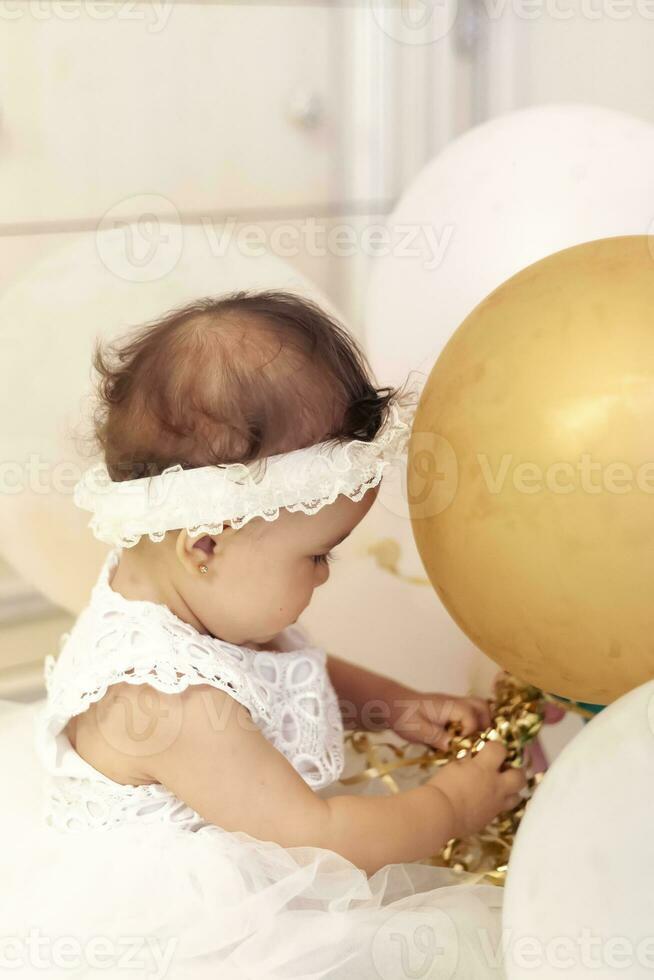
(491, 756)
(464, 715)
(438, 737)
(513, 780)
(481, 707)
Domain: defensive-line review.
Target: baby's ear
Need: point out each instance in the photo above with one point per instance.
(204, 543)
(201, 549)
(193, 551)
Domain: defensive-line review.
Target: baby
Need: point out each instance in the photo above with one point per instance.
(243, 440)
(234, 380)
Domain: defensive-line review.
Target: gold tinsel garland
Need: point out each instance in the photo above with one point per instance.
(517, 711)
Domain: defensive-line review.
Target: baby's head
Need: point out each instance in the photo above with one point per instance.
(232, 380)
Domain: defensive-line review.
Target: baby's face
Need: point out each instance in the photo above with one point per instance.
(261, 577)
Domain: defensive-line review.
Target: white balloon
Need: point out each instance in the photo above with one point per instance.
(579, 900)
(500, 197)
(100, 285)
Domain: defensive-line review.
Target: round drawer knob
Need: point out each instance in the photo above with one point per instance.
(305, 108)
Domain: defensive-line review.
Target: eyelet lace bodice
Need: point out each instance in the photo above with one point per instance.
(114, 639)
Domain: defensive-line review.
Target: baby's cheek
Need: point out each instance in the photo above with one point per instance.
(285, 598)
(301, 590)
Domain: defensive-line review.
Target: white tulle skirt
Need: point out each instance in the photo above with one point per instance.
(161, 902)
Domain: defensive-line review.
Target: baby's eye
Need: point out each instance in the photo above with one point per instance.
(324, 559)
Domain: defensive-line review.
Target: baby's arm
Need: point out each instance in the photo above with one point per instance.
(207, 750)
(375, 702)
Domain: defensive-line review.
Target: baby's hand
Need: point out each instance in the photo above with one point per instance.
(477, 789)
(419, 717)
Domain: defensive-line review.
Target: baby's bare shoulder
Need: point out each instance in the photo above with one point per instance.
(134, 724)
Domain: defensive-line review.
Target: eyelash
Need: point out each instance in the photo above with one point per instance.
(324, 559)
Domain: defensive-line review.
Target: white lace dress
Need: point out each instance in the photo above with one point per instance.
(129, 881)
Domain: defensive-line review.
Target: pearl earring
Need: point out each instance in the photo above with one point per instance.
(204, 569)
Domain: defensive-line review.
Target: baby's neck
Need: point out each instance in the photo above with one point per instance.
(133, 581)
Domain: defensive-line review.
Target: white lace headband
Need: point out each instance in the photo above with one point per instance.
(203, 499)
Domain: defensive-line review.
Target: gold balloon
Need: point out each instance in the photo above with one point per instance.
(531, 471)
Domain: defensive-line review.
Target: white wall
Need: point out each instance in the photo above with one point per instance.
(262, 113)
(591, 51)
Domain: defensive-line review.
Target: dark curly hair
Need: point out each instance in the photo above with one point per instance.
(231, 379)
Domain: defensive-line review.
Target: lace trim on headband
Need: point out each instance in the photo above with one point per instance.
(204, 499)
